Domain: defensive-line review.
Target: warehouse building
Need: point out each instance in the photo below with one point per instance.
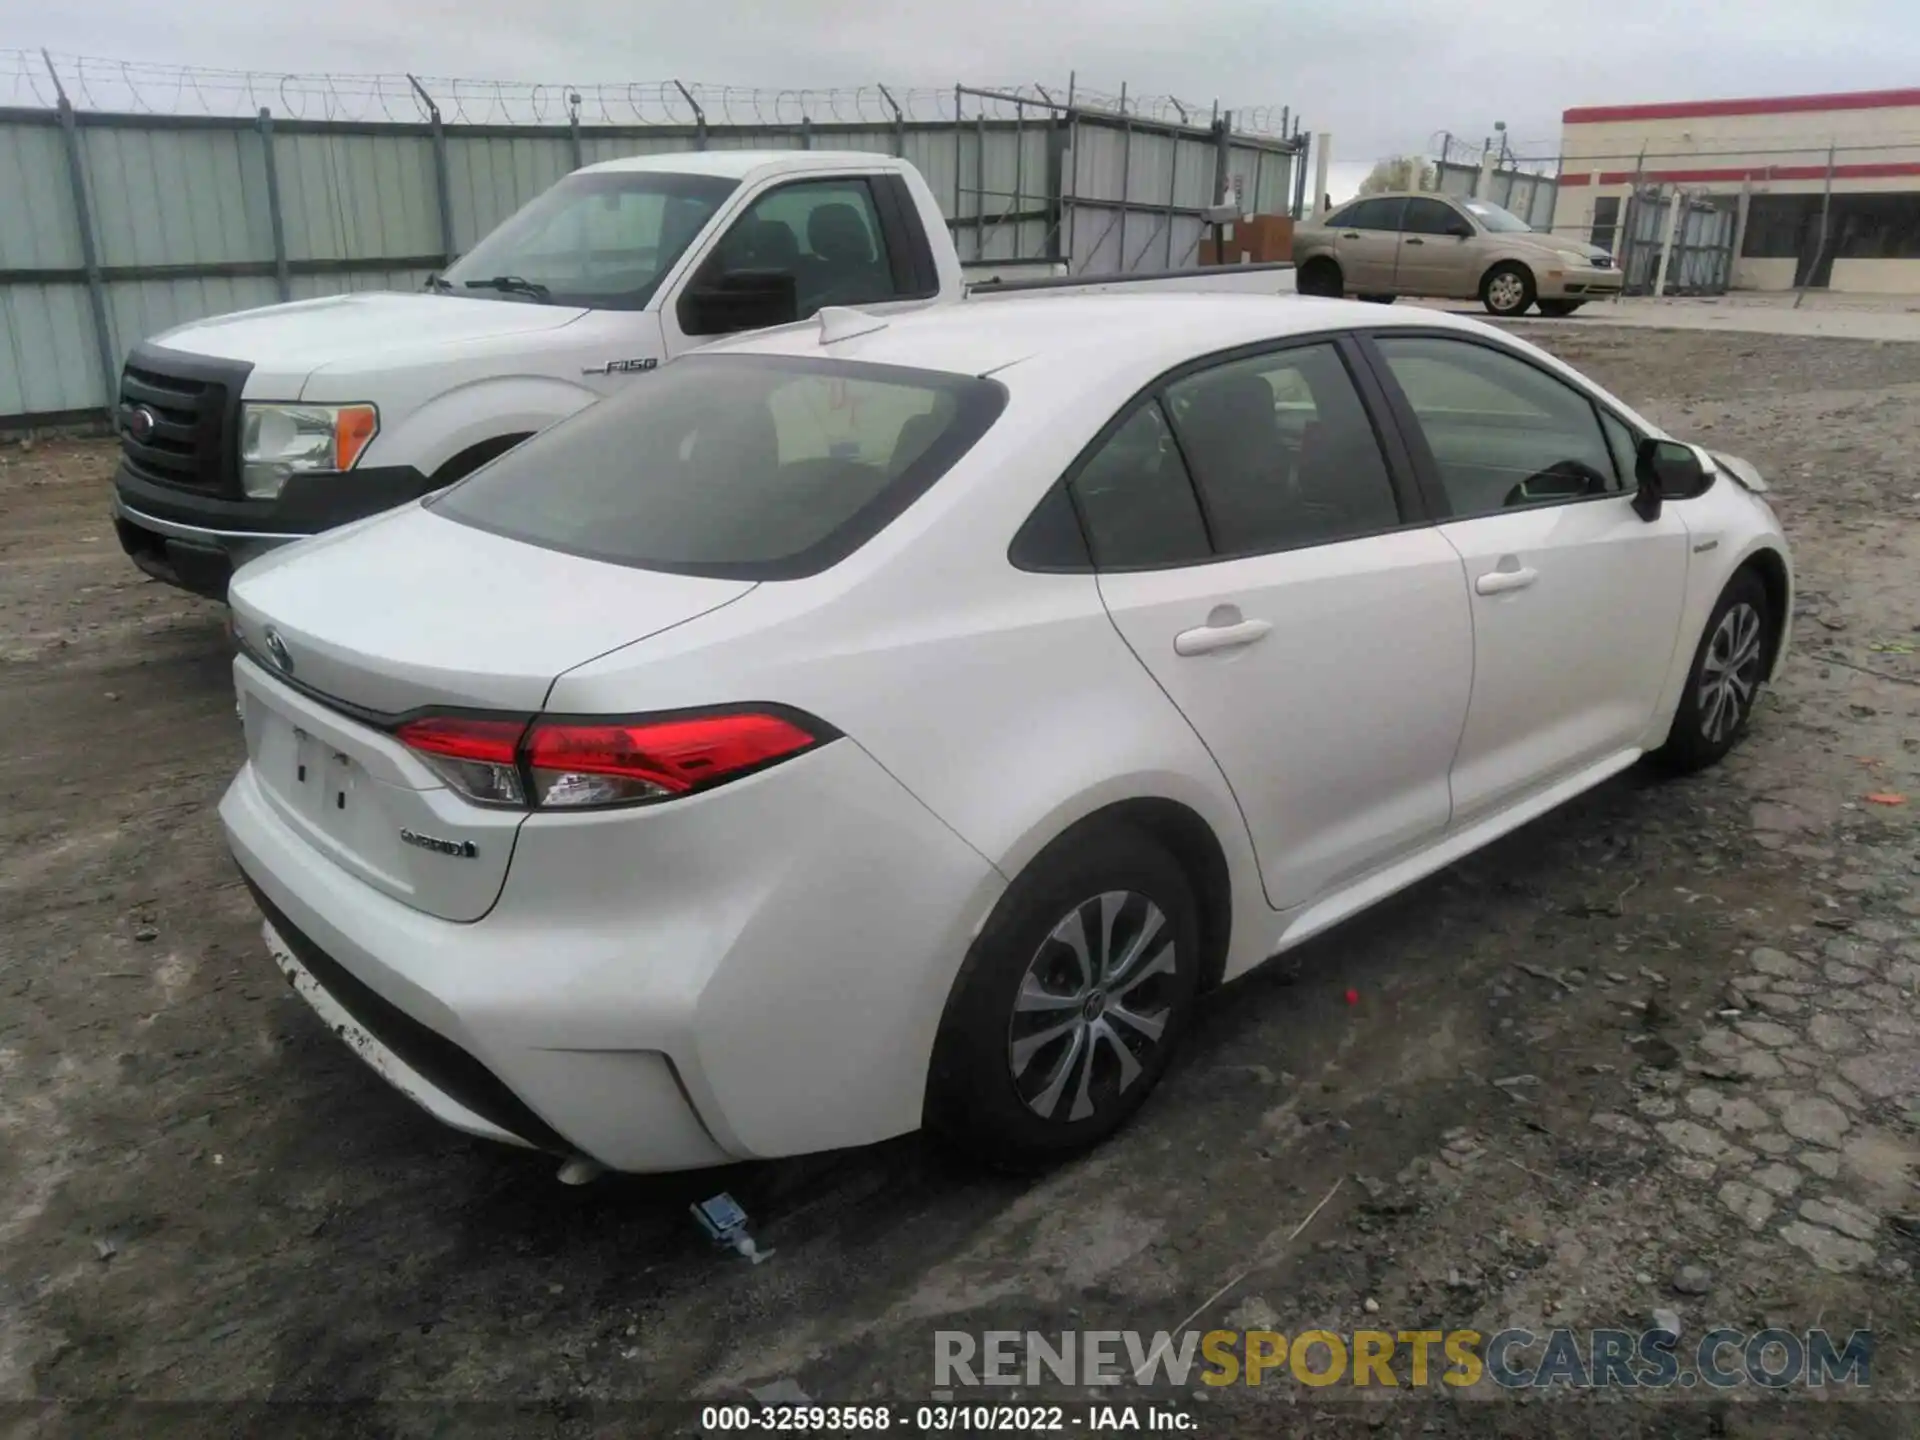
(1825, 189)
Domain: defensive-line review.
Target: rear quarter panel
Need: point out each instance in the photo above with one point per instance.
(1004, 700)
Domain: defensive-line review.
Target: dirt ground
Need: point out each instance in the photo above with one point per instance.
(1656, 1052)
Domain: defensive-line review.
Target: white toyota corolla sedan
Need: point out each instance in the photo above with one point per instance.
(888, 721)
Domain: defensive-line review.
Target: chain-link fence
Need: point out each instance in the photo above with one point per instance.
(155, 195)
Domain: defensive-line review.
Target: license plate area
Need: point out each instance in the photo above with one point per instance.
(344, 791)
(325, 792)
(325, 778)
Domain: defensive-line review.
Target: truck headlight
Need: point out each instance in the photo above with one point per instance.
(277, 440)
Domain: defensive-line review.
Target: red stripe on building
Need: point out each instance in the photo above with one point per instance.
(1778, 105)
(1572, 177)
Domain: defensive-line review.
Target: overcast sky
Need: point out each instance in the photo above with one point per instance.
(1383, 75)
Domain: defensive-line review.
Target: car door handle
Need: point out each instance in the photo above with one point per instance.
(1209, 638)
(1415, 240)
(1498, 582)
(1349, 234)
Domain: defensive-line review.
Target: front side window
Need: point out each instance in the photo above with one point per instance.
(1431, 217)
(757, 467)
(1502, 432)
(603, 239)
(825, 233)
(1282, 452)
(1626, 451)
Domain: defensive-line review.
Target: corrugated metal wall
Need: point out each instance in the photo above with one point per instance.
(183, 209)
(1527, 195)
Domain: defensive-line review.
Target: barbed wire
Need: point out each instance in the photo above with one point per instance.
(28, 79)
(1525, 156)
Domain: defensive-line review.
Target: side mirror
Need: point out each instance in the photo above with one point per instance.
(1460, 229)
(1667, 470)
(739, 300)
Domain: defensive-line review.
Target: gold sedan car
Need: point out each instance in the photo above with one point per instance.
(1383, 246)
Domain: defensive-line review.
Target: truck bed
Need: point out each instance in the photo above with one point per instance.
(1272, 278)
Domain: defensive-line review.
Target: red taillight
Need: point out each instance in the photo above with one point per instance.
(478, 756)
(573, 763)
(602, 763)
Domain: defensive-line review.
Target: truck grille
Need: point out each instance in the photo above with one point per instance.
(177, 419)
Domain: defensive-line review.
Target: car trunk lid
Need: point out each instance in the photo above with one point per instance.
(343, 635)
(410, 610)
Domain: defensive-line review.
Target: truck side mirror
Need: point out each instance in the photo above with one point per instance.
(739, 300)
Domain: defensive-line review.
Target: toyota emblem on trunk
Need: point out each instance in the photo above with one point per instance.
(277, 650)
(141, 422)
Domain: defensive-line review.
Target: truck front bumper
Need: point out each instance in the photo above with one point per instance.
(197, 540)
(191, 557)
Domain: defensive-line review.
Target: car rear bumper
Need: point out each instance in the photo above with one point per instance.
(751, 973)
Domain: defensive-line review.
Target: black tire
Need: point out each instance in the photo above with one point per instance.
(1504, 300)
(1558, 309)
(1378, 299)
(1321, 277)
(976, 1100)
(1741, 626)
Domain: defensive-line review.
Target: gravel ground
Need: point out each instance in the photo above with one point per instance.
(1658, 1052)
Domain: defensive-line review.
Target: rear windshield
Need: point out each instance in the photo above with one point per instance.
(750, 467)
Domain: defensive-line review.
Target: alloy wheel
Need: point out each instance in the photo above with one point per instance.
(1505, 292)
(1088, 1013)
(1730, 672)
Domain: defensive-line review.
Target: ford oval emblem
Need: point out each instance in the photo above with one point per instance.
(141, 423)
(277, 651)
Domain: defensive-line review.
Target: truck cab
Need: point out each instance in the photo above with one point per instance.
(246, 431)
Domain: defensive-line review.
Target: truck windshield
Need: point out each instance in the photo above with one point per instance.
(603, 240)
(735, 466)
(1501, 222)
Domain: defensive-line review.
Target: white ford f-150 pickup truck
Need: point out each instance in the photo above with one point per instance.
(246, 431)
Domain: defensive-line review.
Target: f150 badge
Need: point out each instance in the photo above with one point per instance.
(624, 367)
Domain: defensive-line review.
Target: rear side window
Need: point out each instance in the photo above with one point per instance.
(1137, 502)
(1377, 214)
(750, 467)
(1283, 452)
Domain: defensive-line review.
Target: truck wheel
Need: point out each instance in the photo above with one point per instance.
(1507, 289)
(1322, 278)
(1070, 1002)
